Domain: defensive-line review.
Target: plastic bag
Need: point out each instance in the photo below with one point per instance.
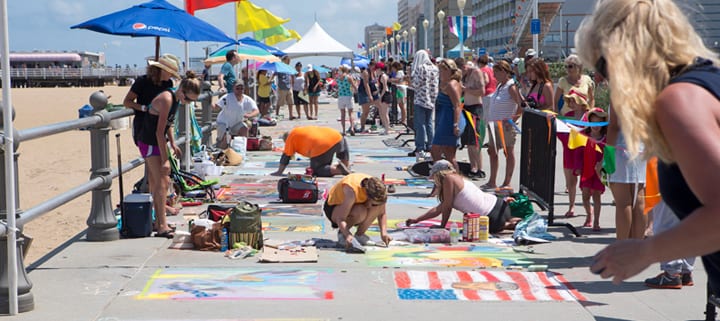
(532, 228)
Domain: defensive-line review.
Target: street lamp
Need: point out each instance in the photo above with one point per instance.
(404, 49)
(413, 30)
(426, 24)
(441, 17)
(397, 44)
(567, 38)
(461, 6)
(392, 46)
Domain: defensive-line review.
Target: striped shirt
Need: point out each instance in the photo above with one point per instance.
(502, 106)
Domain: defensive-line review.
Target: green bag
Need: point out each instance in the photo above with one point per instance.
(521, 207)
(246, 225)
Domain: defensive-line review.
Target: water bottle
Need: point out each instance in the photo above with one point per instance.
(454, 233)
(224, 240)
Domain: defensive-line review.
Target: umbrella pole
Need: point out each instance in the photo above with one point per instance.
(157, 48)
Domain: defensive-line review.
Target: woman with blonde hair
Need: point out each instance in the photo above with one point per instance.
(449, 121)
(455, 192)
(665, 93)
(576, 81)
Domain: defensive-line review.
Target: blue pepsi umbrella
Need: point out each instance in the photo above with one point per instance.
(358, 60)
(278, 67)
(156, 18)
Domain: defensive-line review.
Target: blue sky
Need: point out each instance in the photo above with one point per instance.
(45, 25)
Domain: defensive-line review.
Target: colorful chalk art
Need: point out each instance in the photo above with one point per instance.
(484, 286)
(472, 256)
(239, 284)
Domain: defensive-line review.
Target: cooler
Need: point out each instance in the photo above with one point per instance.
(137, 215)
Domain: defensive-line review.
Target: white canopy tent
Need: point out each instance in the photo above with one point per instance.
(317, 42)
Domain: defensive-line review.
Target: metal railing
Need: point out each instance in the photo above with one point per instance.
(102, 224)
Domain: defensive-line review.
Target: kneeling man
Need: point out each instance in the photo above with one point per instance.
(320, 144)
(235, 117)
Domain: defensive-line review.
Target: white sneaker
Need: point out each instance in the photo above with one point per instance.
(356, 246)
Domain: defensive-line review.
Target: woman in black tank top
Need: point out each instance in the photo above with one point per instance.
(155, 135)
(668, 100)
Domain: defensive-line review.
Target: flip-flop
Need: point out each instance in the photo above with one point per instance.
(169, 234)
(570, 214)
(596, 229)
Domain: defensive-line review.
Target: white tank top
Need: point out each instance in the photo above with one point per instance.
(502, 106)
(473, 200)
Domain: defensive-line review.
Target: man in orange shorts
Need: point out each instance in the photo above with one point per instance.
(320, 144)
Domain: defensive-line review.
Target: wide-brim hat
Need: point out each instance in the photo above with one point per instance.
(578, 97)
(169, 63)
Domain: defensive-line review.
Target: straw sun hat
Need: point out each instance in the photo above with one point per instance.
(169, 63)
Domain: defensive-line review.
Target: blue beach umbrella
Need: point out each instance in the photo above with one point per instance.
(358, 60)
(252, 42)
(278, 67)
(157, 19)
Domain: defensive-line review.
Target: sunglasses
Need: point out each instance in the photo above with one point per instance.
(187, 98)
(569, 66)
(601, 67)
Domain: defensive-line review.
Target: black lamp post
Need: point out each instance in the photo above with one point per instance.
(567, 38)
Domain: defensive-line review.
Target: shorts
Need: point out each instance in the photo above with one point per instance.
(264, 100)
(471, 135)
(148, 150)
(499, 214)
(627, 170)
(321, 164)
(314, 94)
(285, 97)
(345, 102)
(296, 98)
(328, 209)
(508, 131)
(222, 128)
(387, 98)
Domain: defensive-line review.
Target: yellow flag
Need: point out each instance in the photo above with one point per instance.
(397, 26)
(271, 41)
(577, 140)
(251, 17)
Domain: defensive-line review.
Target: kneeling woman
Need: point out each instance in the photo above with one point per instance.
(456, 193)
(357, 200)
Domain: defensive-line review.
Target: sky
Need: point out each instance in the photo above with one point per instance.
(45, 25)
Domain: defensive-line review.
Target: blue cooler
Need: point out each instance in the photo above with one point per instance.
(137, 213)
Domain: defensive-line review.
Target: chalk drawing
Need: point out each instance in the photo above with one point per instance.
(445, 256)
(484, 286)
(239, 284)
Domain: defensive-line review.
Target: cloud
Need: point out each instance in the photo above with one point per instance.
(65, 11)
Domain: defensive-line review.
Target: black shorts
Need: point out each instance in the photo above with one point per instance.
(328, 209)
(499, 214)
(265, 100)
(469, 136)
(387, 98)
(297, 100)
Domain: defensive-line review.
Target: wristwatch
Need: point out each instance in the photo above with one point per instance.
(143, 108)
(456, 125)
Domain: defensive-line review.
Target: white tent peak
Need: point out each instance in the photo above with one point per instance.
(317, 42)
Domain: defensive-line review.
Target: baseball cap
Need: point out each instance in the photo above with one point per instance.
(440, 165)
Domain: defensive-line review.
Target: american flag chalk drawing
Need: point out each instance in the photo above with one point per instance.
(484, 286)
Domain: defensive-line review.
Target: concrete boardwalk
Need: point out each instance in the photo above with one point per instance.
(102, 281)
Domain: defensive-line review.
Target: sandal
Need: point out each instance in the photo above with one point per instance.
(596, 228)
(488, 187)
(587, 224)
(169, 234)
(570, 214)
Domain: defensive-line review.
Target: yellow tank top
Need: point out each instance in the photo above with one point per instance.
(336, 195)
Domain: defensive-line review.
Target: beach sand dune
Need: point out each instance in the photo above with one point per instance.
(50, 166)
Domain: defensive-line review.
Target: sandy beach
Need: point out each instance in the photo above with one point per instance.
(50, 166)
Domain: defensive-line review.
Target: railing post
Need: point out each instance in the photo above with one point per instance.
(26, 302)
(207, 113)
(102, 224)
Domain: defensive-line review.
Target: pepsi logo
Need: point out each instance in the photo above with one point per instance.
(138, 26)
